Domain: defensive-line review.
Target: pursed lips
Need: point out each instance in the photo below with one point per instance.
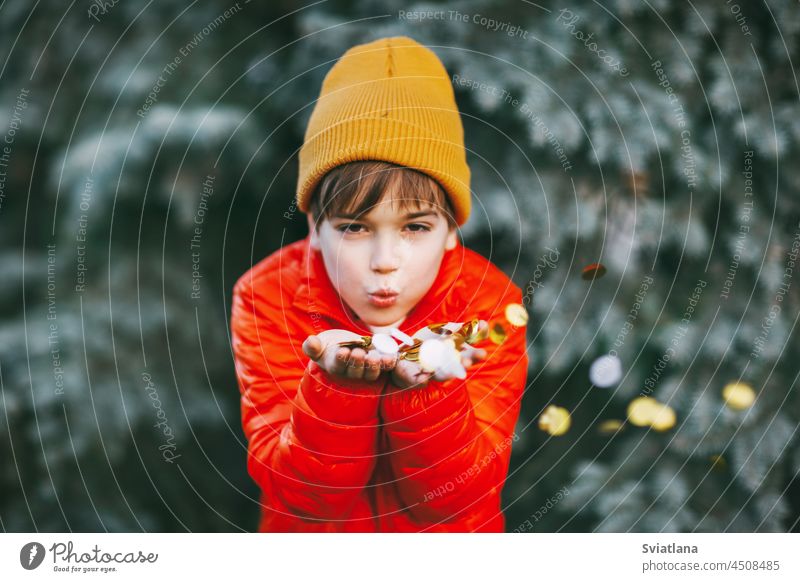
(384, 292)
(383, 298)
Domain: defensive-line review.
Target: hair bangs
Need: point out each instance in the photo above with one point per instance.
(354, 189)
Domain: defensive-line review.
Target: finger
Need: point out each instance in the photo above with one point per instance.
(312, 347)
(355, 367)
(397, 376)
(339, 363)
(421, 379)
(388, 362)
(407, 373)
(373, 366)
(402, 368)
(472, 356)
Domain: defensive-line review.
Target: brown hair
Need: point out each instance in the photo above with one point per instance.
(356, 187)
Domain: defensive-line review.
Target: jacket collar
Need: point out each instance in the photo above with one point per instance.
(317, 296)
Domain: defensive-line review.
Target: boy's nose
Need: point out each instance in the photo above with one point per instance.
(385, 257)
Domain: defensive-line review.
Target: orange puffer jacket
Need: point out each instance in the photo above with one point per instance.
(334, 455)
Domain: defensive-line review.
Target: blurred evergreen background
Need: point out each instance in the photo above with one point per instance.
(663, 146)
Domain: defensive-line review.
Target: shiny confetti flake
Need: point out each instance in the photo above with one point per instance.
(738, 395)
(610, 426)
(718, 463)
(555, 420)
(516, 314)
(647, 411)
(497, 333)
(663, 418)
(364, 343)
(593, 271)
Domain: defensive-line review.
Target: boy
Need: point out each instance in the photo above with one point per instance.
(349, 440)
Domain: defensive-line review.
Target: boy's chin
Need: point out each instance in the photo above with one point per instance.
(380, 317)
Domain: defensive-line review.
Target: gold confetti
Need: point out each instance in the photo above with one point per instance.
(497, 333)
(555, 420)
(593, 271)
(610, 426)
(718, 462)
(472, 330)
(738, 395)
(647, 411)
(516, 314)
(410, 353)
(663, 418)
(640, 410)
(481, 333)
(364, 343)
(439, 328)
(638, 182)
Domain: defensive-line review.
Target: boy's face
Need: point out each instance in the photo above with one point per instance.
(386, 249)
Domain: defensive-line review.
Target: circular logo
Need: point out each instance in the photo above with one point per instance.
(31, 555)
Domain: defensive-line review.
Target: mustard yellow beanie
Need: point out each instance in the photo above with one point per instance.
(389, 100)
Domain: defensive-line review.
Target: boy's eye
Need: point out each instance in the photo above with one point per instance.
(357, 228)
(349, 227)
(417, 227)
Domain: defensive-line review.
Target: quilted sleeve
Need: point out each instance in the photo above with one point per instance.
(451, 441)
(311, 439)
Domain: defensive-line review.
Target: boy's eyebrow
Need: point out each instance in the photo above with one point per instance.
(407, 216)
(421, 214)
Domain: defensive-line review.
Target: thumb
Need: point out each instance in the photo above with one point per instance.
(312, 347)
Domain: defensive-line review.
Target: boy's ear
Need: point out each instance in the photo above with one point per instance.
(314, 240)
(451, 240)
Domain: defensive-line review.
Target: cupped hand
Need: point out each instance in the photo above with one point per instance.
(408, 374)
(343, 362)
